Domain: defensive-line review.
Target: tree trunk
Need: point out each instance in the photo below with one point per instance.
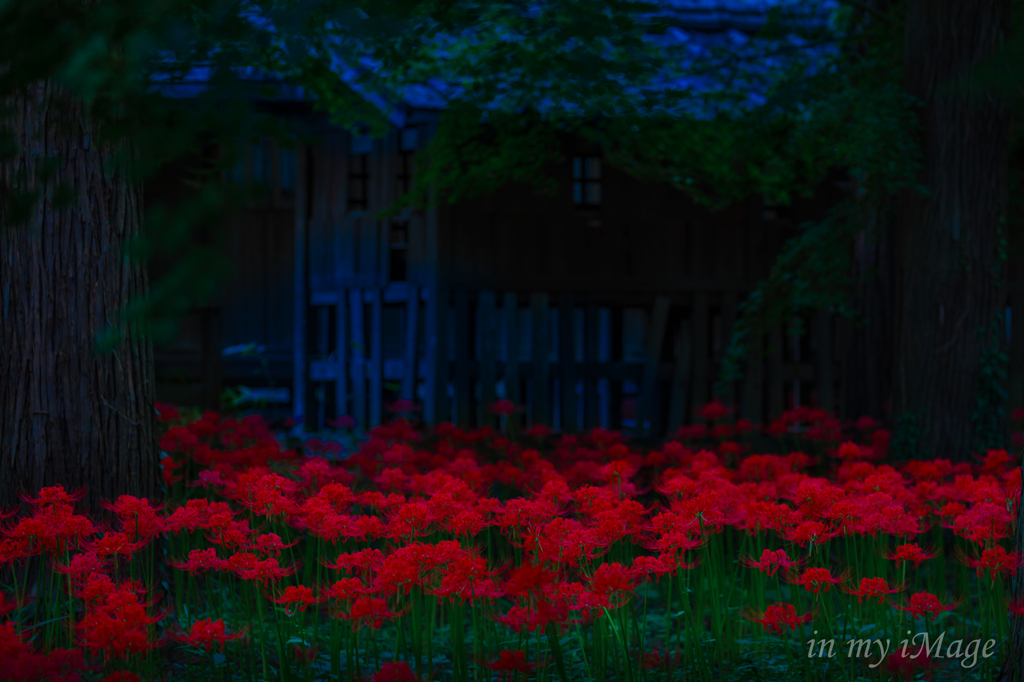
(69, 414)
(950, 278)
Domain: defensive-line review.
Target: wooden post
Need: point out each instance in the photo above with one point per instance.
(463, 384)
(212, 358)
(728, 395)
(376, 356)
(649, 383)
(823, 360)
(488, 350)
(680, 378)
(1016, 349)
(412, 309)
(358, 341)
(323, 315)
(511, 312)
(776, 380)
(539, 350)
(617, 355)
(341, 346)
(567, 360)
(591, 348)
(753, 400)
(701, 364)
(300, 365)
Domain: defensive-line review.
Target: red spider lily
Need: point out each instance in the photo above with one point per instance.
(714, 411)
(345, 589)
(611, 585)
(912, 553)
(528, 579)
(21, 662)
(503, 407)
(81, 565)
(1016, 608)
(54, 495)
(874, 587)
(368, 611)
(509, 662)
(297, 594)
(995, 560)
(536, 618)
(207, 633)
(139, 519)
(394, 672)
(926, 605)
(200, 560)
(771, 561)
(908, 665)
(778, 616)
(271, 544)
(6, 606)
(117, 623)
(167, 413)
(816, 579)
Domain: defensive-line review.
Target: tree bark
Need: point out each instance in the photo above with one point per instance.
(69, 414)
(950, 279)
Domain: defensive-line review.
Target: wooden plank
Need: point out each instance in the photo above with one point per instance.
(485, 322)
(1016, 348)
(358, 350)
(212, 331)
(409, 358)
(463, 387)
(776, 378)
(616, 355)
(511, 374)
(680, 378)
(591, 348)
(728, 321)
(539, 350)
(376, 357)
(649, 384)
(823, 361)
(299, 349)
(341, 346)
(753, 380)
(701, 361)
(567, 361)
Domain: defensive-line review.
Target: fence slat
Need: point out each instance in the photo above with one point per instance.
(300, 360)
(728, 395)
(376, 356)
(488, 350)
(409, 356)
(823, 361)
(753, 383)
(776, 380)
(1016, 350)
(699, 349)
(358, 342)
(591, 348)
(341, 345)
(655, 336)
(511, 312)
(567, 360)
(463, 387)
(680, 378)
(539, 350)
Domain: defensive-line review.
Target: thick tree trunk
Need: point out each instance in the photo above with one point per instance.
(68, 414)
(949, 276)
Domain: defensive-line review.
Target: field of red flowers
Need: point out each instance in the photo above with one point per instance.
(795, 551)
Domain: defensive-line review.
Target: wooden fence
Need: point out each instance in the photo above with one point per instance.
(626, 363)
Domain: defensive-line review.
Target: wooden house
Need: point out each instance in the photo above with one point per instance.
(609, 303)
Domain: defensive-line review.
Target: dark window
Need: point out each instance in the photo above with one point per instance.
(398, 252)
(359, 182)
(586, 181)
(404, 172)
